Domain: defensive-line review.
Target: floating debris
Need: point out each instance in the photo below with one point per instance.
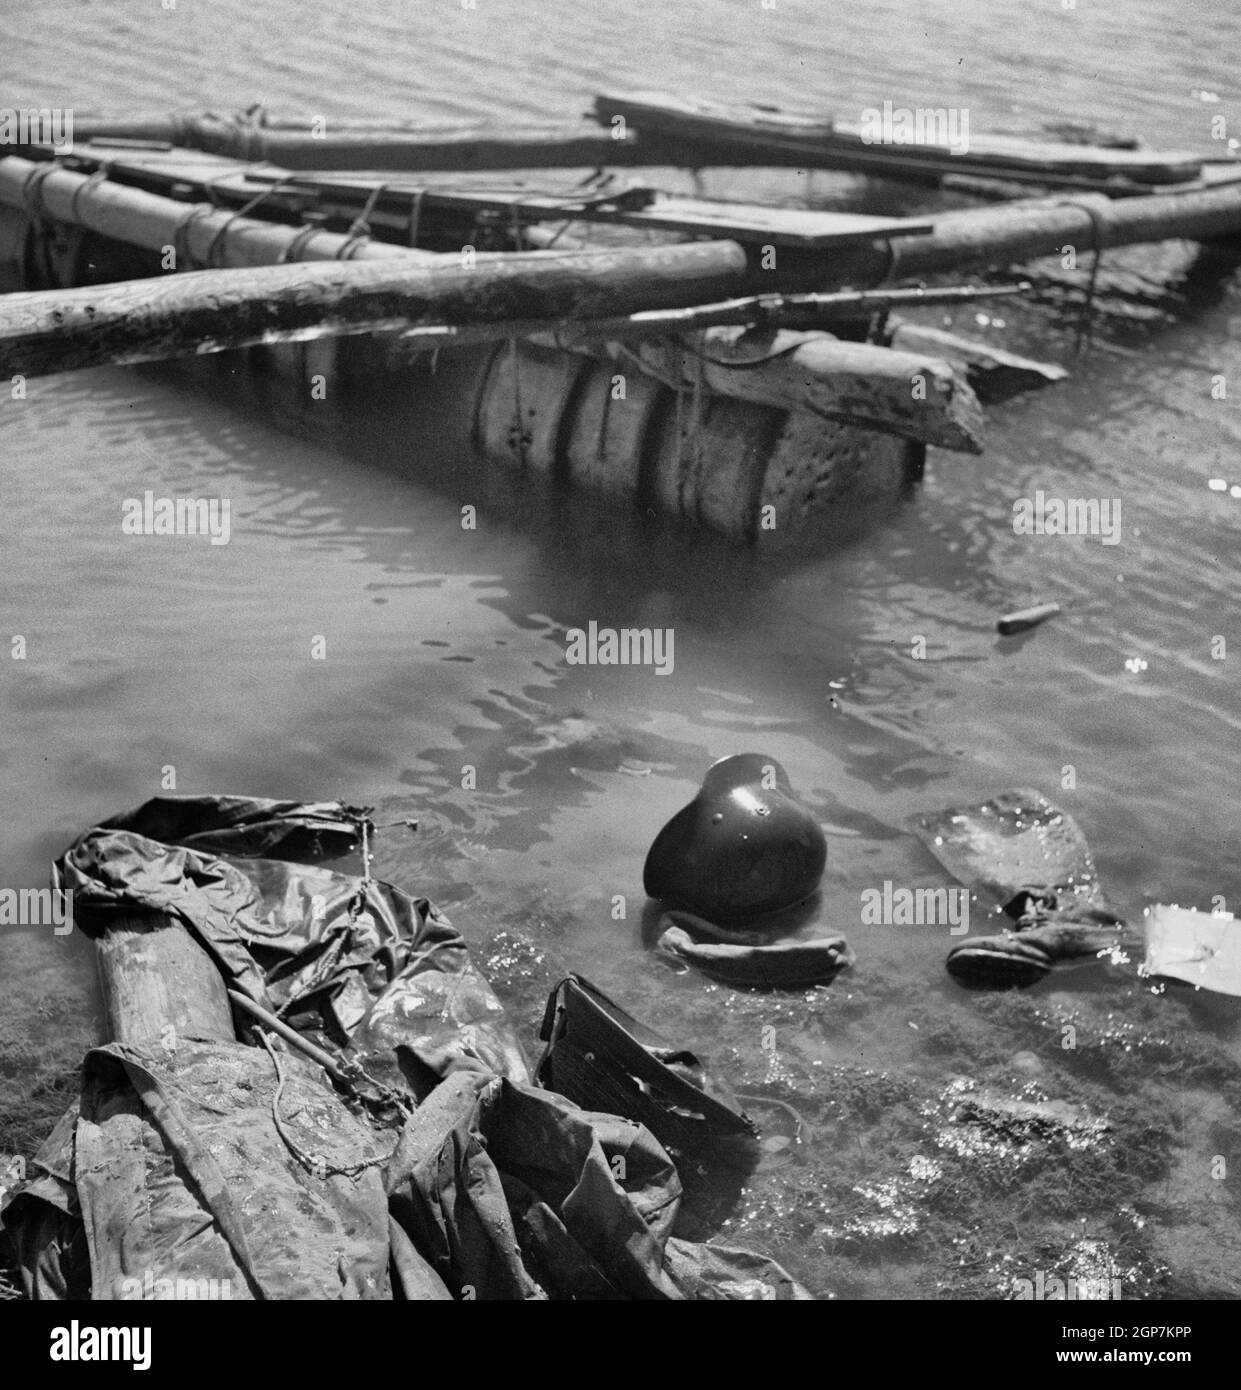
(1026, 618)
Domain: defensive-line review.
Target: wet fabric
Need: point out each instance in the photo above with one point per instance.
(515, 1192)
(1017, 840)
(434, 1170)
(795, 963)
(311, 945)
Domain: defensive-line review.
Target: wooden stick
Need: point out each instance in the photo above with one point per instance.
(805, 311)
(792, 310)
(212, 311)
(289, 1034)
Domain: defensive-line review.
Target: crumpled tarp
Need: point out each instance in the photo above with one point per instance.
(211, 1166)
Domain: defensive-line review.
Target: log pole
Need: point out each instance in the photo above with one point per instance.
(1007, 234)
(158, 982)
(212, 311)
(199, 233)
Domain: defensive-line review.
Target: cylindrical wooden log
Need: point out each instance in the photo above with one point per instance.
(158, 982)
(1010, 233)
(913, 395)
(352, 145)
(215, 310)
(206, 235)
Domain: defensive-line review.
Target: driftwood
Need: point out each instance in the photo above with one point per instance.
(212, 311)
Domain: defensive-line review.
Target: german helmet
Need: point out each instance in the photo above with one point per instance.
(744, 847)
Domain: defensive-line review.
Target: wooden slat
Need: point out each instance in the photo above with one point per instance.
(236, 182)
(746, 222)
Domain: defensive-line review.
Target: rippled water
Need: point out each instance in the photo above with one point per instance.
(446, 648)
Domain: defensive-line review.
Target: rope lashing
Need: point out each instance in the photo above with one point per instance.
(241, 212)
(1086, 317)
(293, 251)
(181, 235)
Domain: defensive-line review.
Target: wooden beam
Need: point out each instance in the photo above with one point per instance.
(1008, 234)
(158, 983)
(206, 235)
(347, 145)
(913, 395)
(212, 311)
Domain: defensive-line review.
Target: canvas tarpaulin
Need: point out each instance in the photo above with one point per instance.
(211, 1165)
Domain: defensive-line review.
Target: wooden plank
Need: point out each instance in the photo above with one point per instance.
(753, 132)
(747, 222)
(754, 223)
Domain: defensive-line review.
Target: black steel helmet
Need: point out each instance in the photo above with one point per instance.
(744, 847)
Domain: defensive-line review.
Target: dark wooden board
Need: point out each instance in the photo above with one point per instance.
(232, 181)
(755, 131)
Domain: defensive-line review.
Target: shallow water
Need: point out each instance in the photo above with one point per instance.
(445, 648)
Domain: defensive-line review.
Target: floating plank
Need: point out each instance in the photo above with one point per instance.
(763, 132)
